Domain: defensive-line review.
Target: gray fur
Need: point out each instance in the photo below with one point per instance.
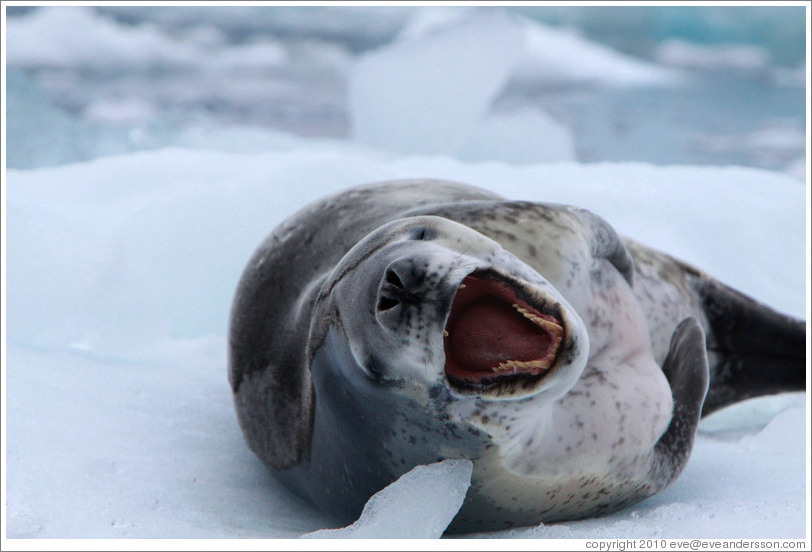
(340, 394)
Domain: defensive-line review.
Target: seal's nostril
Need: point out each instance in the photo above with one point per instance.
(392, 278)
(386, 303)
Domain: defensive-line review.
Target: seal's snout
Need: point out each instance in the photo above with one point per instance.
(403, 284)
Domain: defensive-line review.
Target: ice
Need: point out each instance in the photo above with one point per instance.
(562, 56)
(428, 94)
(78, 36)
(419, 505)
(154, 252)
(680, 53)
(45, 135)
(358, 26)
(525, 135)
(120, 276)
(797, 168)
(750, 416)
(117, 73)
(780, 144)
(780, 30)
(548, 55)
(120, 111)
(434, 90)
(120, 265)
(771, 439)
(120, 273)
(100, 447)
(286, 68)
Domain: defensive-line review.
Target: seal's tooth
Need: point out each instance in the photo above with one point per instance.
(547, 324)
(515, 365)
(445, 333)
(538, 320)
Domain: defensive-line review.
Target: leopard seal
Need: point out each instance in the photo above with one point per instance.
(403, 323)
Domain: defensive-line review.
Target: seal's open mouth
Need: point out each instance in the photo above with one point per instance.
(494, 337)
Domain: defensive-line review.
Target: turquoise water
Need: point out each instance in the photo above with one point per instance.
(637, 29)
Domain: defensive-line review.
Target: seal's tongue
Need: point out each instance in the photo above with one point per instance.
(489, 332)
(492, 333)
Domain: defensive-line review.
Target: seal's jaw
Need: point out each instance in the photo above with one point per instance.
(498, 339)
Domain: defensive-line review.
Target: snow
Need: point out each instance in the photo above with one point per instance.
(419, 505)
(126, 230)
(116, 358)
(159, 237)
(102, 447)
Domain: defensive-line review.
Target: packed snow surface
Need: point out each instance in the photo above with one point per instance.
(120, 276)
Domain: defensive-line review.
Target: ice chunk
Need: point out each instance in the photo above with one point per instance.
(427, 95)
(679, 53)
(548, 54)
(357, 26)
(78, 36)
(120, 111)
(557, 56)
(419, 505)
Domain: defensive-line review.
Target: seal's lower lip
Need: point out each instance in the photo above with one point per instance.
(494, 337)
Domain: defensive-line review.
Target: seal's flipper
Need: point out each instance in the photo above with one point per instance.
(686, 368)
(758, 350)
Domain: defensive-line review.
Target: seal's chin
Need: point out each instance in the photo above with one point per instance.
(497, 339)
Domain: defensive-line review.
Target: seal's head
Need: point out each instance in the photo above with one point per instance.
(425, 301)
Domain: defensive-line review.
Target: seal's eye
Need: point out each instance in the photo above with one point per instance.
(374, 371)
